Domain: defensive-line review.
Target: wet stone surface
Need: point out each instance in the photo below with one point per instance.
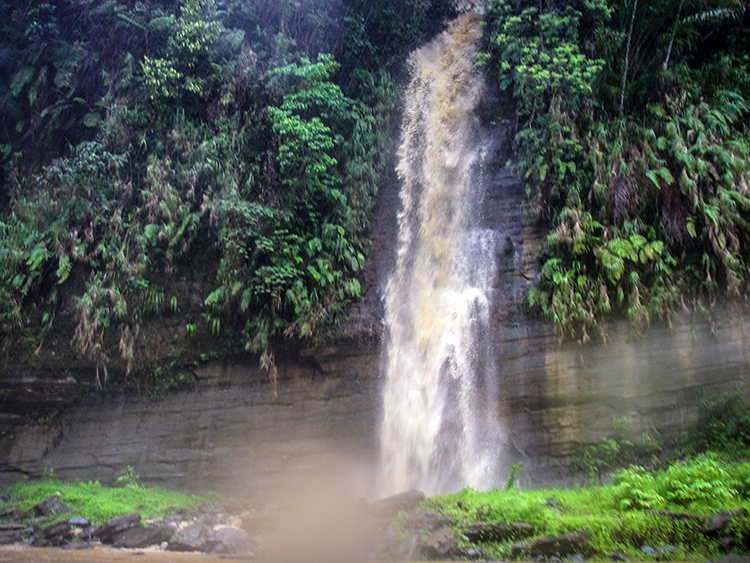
(210, 529)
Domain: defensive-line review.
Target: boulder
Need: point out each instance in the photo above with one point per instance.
(678, 516)
(8, 537)
(719, 522)
(138, 537)
(553, 546)
(427, 521)
(663, 552)
(194, 537)
(8, 512)
(473, 553)
(440, 544)
(106, 532)
(54, 535)
(231, 541)
(497, 531)
(388, 508)
(726, 543)
(733, 559)
(51, 506)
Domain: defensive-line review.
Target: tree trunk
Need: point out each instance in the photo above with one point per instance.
(671, 39)
(627, 57)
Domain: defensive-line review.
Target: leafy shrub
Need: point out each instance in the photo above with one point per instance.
(614, 452)
(704, 483)
(637, 170)
(704, 480)
(127, 477)
(620, 517)
(637, 489)
(723, 425)
(224, 145)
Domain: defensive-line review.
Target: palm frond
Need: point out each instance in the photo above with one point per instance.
(716, 15)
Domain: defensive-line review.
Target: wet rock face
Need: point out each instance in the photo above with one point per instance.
(565, 545)
(112, 528)
(230, 428)
(233, 438)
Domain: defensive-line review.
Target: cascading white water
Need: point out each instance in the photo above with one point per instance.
(439, 431)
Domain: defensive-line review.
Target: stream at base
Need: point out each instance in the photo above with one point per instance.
(16, 554)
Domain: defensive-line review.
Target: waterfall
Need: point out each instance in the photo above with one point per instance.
(439, 431)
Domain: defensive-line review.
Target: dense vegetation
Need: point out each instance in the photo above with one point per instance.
(217, 160)
(632, 133)
(149, 147)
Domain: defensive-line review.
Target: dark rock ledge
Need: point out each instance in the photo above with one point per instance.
(209, 529)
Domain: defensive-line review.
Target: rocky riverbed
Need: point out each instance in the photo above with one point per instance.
(321, 529)
(24, 554)
(208, 529)
(312, 528)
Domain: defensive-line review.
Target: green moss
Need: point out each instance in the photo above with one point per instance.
(621, 517)
(91, 500)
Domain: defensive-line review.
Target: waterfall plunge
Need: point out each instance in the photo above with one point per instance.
(439, 431)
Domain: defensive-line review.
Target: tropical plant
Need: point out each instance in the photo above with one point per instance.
(633, 147)
(184, 143)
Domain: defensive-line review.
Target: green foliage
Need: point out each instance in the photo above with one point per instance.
(614, 452)
(637, 490)
(127, 477)
(192, 66)
(289, 272)
(703, 484)
(631, 512)
(91, 500)
(515, 471)
(22, 257)
(381, 34)
(540, 62)
(218, 165)
(633, 146)
(723, 426)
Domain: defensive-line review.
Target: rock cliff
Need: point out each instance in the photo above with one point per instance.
(226, 431)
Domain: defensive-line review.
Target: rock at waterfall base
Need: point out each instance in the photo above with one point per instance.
(553, 546)
(138, 538)
(497, 531)
(51, 506)
(192, 538)
(719, 522)
(389, 507)
(232, 541)
(107, 531)
(440, 544)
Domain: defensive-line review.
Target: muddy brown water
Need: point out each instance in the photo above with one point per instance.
(17, 554)
(20, 554)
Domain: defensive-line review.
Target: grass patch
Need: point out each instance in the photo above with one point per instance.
(89, 499)
(637, 509)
